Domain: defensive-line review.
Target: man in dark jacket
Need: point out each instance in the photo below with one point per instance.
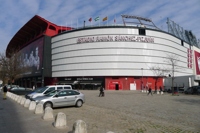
(150, 91)
(101, 91)
(5, 91)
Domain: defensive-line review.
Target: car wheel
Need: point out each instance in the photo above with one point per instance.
(48, 104)
(79, 103)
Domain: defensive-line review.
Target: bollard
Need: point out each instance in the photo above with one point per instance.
(27, 103)
(32, 105)
(39, 109)
(79, 127)
(19, 99)
(23, 101)
(16, 97)
(48, 113)
(60, 121)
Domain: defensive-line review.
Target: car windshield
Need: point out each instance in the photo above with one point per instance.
(40, 90)
(51, 93)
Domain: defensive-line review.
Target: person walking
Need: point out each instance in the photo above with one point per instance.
(150, 91)
(33, 87)
(160, 89)
(101, 94)
(5, 89)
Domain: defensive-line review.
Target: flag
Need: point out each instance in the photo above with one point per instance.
(90, 19)
(106, 18)
(96, 19)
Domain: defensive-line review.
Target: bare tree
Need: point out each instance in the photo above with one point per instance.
(2, 68)
(172, 60)
(159, 72)
(12, 67)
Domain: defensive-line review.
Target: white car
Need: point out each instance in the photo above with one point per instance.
(44, 90)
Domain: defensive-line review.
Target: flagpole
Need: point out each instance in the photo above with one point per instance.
(107, 21)
(115, 20)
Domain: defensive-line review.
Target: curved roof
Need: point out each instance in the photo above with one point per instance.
(33, 29)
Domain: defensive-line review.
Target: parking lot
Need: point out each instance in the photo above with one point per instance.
(133, 112)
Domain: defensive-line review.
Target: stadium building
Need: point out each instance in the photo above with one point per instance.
(130, 56)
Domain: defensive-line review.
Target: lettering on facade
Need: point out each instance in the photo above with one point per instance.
(84, 79)
(115, 38)
(68, 79)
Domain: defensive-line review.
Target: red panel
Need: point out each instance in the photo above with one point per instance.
(124, 82)
(50, 81)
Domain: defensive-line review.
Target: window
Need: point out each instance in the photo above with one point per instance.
(182, 44)
(67, 87)
(142, 32)
(50, 90)
(59, 88)
(70, 93)
(62, 93)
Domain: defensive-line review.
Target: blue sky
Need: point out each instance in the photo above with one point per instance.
(15, 13)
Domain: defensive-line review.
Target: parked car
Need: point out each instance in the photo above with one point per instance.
(193, 90)
(198, 91)
(60, 98)
(11, 86)
(44, 90)
(176, 90)
(20, 90)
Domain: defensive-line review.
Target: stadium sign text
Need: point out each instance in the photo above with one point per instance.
(115, 38)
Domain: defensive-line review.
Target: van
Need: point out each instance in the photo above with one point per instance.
(44, 90)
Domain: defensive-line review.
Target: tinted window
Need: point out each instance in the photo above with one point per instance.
(62, 93)
(76, 93)
(41, 90)
(50, 89)
(59, 88)
(67, 87)
(51, 93)
(70, 93)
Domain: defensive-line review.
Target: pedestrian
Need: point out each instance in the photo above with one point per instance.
(150, 91)
(101, 94)
(160, 89)
(5, 89)
(33, 87)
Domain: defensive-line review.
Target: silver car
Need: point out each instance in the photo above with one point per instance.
(59, 98)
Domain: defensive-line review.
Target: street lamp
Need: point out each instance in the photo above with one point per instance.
(42, 77)
(142, 78)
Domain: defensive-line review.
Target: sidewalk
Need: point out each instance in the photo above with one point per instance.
(14, 118)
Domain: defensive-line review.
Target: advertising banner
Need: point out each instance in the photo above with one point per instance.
(32, 56)
(197, 62)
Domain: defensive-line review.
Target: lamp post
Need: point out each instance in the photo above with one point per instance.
(142, 78)
(42, 77)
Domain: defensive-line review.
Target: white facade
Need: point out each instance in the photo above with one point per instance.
(81, 53)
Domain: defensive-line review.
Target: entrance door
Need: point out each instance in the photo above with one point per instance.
(116, 86)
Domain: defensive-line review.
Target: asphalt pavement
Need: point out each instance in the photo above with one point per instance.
(118, 111)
